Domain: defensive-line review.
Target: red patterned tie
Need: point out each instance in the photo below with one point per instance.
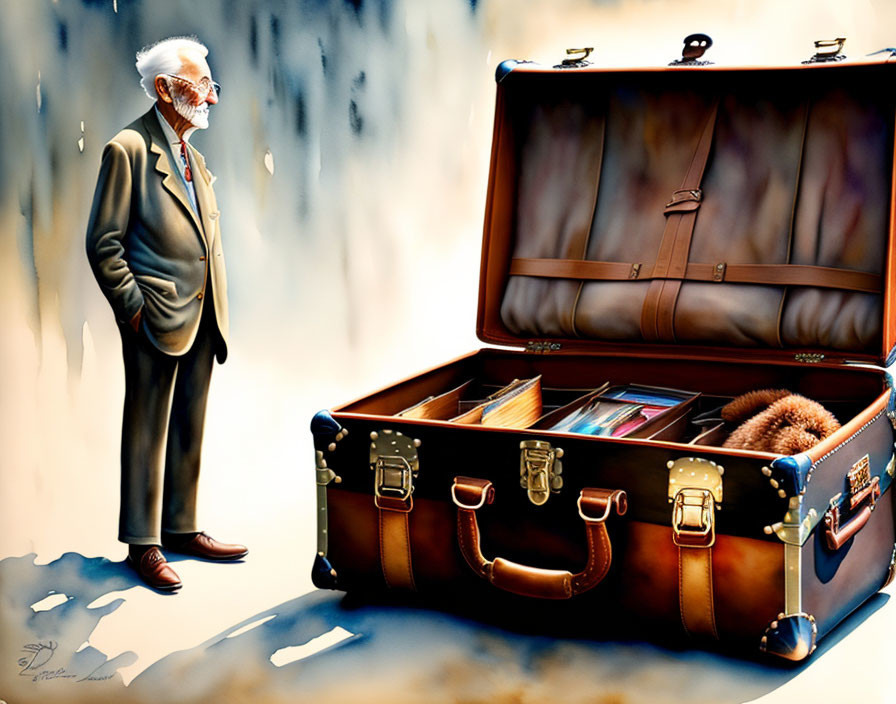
(188, 173)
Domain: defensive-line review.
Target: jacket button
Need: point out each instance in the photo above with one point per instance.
(199, 296)
(202, 259)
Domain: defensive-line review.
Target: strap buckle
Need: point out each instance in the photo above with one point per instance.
(393, 478)
(394, 461)
(693, 518)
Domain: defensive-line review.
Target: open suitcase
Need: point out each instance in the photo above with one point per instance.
(717, 230)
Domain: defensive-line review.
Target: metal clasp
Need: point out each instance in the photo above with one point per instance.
(693, 519)
(828, 50)
(394, 461)
(576, 61)
(540, 470)
(695, 491)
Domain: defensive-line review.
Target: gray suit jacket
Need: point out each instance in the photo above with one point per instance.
(147, 246)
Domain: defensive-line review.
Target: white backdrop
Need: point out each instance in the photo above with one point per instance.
(352, 262)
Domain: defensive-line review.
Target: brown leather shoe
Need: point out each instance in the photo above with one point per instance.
(154, 569)
(204, 546)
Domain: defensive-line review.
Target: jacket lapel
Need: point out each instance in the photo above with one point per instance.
(204, 195)
(170, 181)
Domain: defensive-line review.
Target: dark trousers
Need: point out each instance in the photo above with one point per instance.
(161, 435)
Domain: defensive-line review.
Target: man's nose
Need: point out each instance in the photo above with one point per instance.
(212, 97)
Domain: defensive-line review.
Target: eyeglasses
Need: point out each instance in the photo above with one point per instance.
(202, 88)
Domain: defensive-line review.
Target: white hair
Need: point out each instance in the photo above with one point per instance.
(164, 57)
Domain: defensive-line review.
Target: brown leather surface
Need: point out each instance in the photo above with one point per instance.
(890, 269)
(471, 493)
(695, 594)
(800, 175)
(769, 274)
(836, 539)
(658, 310)
(395, 550)
(530, 581)
(748, 574)
(558, 184)
(748, 580)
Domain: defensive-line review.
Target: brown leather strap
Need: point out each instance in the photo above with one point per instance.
(695, 596)
(658, 310)
(395, 543)
(765, 274)
(595, 506)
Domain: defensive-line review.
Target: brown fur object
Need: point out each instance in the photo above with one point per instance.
(790, 424)
(749, 404)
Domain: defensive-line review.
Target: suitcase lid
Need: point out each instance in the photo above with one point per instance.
(736, 213)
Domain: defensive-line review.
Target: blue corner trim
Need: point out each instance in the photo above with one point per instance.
(792, 638)
(324, 428)
(324, 424)
(322, 574)
(504, 68)
(791, 472)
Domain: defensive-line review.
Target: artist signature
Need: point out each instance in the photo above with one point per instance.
(38, 656)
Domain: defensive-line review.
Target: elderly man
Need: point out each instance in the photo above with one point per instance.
(154, 244)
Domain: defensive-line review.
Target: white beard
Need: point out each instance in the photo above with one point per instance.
(196, 115)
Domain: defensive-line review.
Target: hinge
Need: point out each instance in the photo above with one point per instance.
(542, 347)
(809, 357)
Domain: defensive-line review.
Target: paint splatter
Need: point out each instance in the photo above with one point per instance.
(51, 601)
(269, 162)
(39, 99)
(294, 653)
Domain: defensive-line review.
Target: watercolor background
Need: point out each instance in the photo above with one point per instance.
(351, 149)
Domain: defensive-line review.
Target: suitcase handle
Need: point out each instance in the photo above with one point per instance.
(595, 506)
(836, 535)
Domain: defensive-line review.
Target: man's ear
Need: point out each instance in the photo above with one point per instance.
(162, 89)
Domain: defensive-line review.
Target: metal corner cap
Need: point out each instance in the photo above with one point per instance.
(796, 467)
(323, 576)
(323, 423)
(504, 68)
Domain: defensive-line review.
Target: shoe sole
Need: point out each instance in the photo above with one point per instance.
(203, 556)
(229, 558)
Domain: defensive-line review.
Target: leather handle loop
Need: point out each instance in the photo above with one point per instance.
(595, 506)
(836, 539)
(836, 535)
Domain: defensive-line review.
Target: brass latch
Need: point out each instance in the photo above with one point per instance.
(540, 470)
(394, 461)
(693, 523)
(576, 61)
(695, 491)
(828, 50)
